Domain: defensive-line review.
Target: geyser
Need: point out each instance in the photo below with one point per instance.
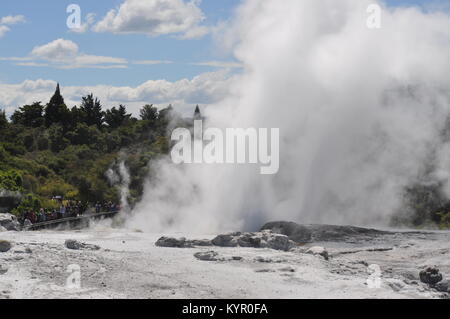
(360, 113)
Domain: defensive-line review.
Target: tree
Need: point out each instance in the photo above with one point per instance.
(29, 115)
(92, 111)
(3, 119)
(117, 117)
(149, 113)
(56, 111)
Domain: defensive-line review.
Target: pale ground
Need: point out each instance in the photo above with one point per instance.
(129, 265)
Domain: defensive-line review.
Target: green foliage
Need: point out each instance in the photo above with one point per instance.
(29, 115)
(117, 117)
(11, 180)
(91, 111)
(53, 151)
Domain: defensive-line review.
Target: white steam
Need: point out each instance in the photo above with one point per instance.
(120, 176)
(360, 113)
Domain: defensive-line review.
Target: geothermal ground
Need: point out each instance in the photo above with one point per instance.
(130, 265)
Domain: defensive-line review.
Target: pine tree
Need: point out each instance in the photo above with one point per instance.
(56, 110)
(92, 111)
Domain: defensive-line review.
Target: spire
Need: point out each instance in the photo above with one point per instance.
(197, 113)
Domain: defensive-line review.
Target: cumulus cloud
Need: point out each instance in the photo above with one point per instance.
(155, 18)
(183, 94)
(9, 20)
(65, 54)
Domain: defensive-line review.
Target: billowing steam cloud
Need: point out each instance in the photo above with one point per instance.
(360, 111)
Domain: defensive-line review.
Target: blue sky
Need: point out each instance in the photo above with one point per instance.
(112, 54)
(46, 21)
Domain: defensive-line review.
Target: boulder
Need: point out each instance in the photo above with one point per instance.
(9, 222)
(2, 229)
(207, 256)
(226, 240)
(430, 276)
(5, 246)
(320, 251)
(76, 245)
(280, 242)
(443, 286)
(172, 242)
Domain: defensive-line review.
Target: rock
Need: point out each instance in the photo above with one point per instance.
(206, 256)
(171, 242)
(201, 242)
(430, 276)
(2, 229)
(5, 246)
(280, 242)
(261, 259)
(317, 250)
(443, 286)
(9, 222)
(264, 239)
(226, 240)
(76, 245)
(311, 233)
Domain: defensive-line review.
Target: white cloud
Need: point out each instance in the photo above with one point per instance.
(220, 64)
(65, 54)
(152, 62)
(154, 18)
(58, 50)
(3, 30)
(90, 19)
(10, 20)
(203, 89)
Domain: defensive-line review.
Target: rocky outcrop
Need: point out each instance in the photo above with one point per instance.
(9, 222)
(264, 239)
(313, 233)
(171, 242)
(5, 246)
(430, 276)
(76, 245)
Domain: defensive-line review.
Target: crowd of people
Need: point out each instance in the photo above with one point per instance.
(66, 209)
